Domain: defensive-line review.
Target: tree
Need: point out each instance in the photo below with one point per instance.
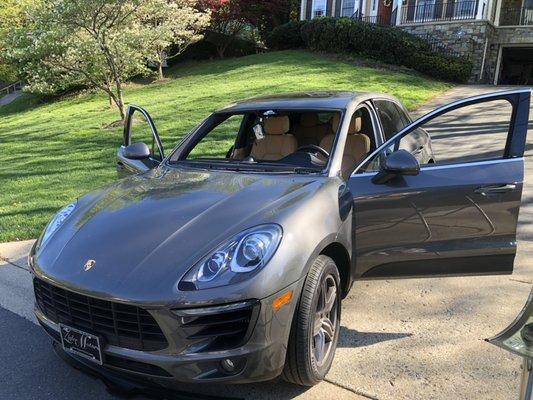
(167, 23)
(265, 15)
(11, 15)
(69, 43)
(227, 22)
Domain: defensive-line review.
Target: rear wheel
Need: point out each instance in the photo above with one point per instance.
(315, 328)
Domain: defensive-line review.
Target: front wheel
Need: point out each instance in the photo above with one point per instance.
(315, 327)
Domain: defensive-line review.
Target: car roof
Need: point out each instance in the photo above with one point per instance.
(305, 100)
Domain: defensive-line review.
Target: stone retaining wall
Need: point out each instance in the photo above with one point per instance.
(476, 39)
(465, 38)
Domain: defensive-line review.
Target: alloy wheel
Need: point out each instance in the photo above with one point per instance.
(325, 320)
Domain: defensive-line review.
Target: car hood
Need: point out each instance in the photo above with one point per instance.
(145, 232)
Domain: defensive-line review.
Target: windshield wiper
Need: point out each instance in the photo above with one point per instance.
(248, 167)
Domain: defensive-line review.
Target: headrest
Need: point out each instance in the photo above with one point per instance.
(355, 125)
(334, 121)
(276, 125)
(309, 119)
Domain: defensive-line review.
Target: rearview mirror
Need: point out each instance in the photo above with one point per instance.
(137, 151)
(401, 162)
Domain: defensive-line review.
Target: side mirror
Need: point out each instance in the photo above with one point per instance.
(401, 162)
(137, 151)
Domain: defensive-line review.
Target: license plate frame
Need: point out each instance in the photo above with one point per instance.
(81, 343)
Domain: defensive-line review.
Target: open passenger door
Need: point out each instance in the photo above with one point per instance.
(420, 213)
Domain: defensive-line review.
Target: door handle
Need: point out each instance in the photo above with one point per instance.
(496, 189)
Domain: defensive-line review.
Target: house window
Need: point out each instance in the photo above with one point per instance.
(374, 5)
(348, 8)
(319, 8)
(425, 10)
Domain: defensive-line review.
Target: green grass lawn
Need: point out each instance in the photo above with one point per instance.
(51, 153)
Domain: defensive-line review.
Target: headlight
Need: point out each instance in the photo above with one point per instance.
(56, 222)
(235, 260)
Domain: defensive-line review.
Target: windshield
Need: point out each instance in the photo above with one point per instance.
(262, 140)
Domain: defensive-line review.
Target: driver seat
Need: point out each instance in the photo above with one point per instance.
(277, 143)
(357, 144)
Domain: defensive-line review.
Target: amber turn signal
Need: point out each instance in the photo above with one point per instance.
(282, 300)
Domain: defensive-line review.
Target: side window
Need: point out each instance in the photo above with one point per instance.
(473, 133)
(476, 132)
(218, 142)
(390, 117)
(403, 116)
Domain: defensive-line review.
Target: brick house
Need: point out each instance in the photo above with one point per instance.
(497, 35)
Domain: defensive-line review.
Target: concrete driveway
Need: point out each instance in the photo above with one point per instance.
(400, 339)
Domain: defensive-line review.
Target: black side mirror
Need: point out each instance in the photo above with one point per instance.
(401, 162)
(137, 151)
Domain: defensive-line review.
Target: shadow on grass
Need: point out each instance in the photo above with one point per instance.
(26, 102)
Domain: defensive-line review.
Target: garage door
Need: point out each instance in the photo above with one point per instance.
(517, 66)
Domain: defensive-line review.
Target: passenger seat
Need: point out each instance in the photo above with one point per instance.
(277, 143)
(356, 148)
(310, 130)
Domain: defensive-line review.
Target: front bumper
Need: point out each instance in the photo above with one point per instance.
(260, 358)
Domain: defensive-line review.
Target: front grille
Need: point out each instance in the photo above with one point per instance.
(119, 324)
(218, 328)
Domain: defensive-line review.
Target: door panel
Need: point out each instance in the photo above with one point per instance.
(139, 127)
(450, 219)
(419, 226)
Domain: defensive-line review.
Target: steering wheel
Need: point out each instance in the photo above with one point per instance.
(313, 148)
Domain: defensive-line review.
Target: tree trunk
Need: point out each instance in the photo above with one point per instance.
(118, 98)
(114, 100)
(120, 101)
(221, 51)
(160, 69)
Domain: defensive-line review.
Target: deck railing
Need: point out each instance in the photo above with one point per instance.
(11, 88)
(442, 46)
(377, 19)
(439, 11)
(516, 16)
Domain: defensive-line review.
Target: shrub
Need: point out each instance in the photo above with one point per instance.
(206, 48)
(387, 44)
(442, 66)
(286, 36)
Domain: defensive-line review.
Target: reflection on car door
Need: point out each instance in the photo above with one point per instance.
(454, 219)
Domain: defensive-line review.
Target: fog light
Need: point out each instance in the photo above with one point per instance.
(228, 365)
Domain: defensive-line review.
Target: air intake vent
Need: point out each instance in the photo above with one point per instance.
(218, 328)
(120, 325)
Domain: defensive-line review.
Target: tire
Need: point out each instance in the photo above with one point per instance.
(305, 363)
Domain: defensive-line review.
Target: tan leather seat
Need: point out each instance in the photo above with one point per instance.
(310, 130)
(277, 143)
(356, 148)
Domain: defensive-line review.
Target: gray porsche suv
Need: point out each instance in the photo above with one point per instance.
(227, 259)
